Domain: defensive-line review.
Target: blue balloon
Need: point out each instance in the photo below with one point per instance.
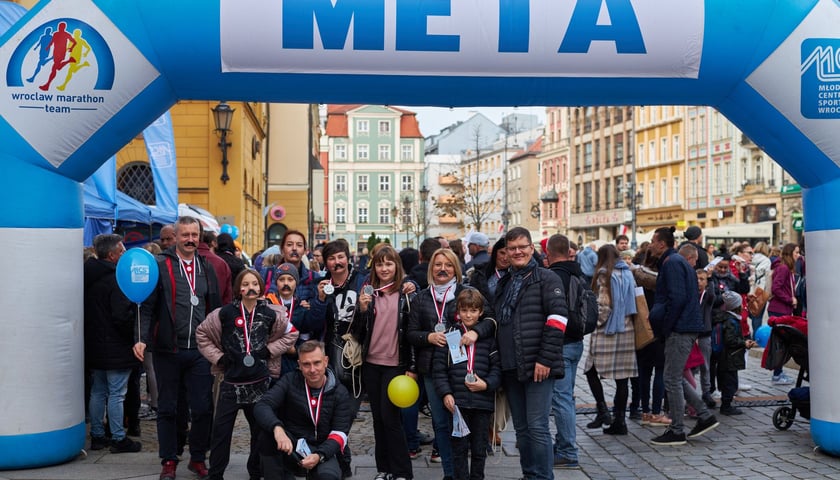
(762, 335)
(137, 274)
(235, 232)
(226, 228)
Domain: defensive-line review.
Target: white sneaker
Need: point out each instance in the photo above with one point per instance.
(716, 394)
(744, 387)
(782, 379)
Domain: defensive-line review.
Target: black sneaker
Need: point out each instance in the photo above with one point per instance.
(98, 443)
(703, 426)
(730, 410)
(669, 438)
(126, 445)
(708, 400)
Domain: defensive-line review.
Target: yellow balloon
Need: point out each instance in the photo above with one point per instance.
(403, 391)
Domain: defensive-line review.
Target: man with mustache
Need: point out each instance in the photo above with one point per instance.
(340, 291)
(294, 248)
(307, 319)
(187, 290)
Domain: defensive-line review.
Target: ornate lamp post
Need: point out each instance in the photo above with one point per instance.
(395, 211)
(222, 116)
(424, 197)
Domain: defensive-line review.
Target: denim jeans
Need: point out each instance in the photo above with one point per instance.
(442, 422)
(563, 403)
(530, 404)
(677, 348)
(109, 386)
(705, 344)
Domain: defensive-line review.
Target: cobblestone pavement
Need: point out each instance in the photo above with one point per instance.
(743, 447)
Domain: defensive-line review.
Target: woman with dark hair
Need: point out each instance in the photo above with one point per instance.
(783, 294)
(486, 279)
(380, 324)
(612, 346)
(457, 246)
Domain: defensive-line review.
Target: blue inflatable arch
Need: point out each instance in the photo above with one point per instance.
(771, 66)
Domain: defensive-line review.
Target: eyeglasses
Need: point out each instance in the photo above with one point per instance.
(518, 248)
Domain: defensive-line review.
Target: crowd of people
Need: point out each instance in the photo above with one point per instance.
(300, 337)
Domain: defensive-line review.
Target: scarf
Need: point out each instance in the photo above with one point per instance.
(512, 292)
(623, 290)
(447, 289)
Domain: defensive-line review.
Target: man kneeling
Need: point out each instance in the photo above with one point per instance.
(306, 398)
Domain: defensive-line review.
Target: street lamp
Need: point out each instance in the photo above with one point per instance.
(424, 197)
(634, 198)
(394, 213)
(222, 116)
(406, 220)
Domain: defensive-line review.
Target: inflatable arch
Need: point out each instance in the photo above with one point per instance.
(82, 77)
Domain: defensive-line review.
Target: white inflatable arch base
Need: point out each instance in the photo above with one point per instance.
(771, 66)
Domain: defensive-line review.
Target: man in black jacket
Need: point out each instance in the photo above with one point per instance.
(186, 292)
(563, 400)
(109, 336)
(531, 308)
(309, 405)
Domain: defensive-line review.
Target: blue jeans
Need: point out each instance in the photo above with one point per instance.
(530, 404)
(563, 403)
(109, 386)
(442, 423)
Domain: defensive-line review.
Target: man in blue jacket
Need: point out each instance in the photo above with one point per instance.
(676, 318)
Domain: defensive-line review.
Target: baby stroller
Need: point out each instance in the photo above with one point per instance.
(789, 339)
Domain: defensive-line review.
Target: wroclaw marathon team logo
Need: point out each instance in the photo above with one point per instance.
(820, 71)
(59, 66)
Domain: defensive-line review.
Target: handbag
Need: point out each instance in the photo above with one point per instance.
(641, 322)
(757, 301)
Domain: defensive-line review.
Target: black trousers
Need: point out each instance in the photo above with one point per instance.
(470, 453)
(282, 467)
(391, 450)
(728, 384)
(226, 411)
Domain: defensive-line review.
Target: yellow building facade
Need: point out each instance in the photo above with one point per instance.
(659, 166)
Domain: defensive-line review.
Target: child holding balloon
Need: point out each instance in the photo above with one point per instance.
(379, 324)
(467, 381)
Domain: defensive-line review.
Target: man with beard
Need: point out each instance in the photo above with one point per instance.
(167, 236)
(293, 248)
(186, 291)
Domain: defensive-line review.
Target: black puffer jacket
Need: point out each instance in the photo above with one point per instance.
(449, 377)
(109, 319)
(422, 320)
(362, 329)
(534, 338)
(286, 405)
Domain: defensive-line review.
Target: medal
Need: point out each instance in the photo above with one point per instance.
(440, 328)
(469, 378)
(248, 360)
(368, 290)
(189, 273)
(329, 289)
(194, 300)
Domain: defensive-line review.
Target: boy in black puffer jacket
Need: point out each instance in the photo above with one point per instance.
(470, 385)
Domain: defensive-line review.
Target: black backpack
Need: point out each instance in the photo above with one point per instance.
(583, 308)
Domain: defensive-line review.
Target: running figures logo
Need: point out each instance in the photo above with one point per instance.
(66, 59)
(820, 72)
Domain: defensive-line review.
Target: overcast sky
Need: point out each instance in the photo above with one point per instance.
(434, 119)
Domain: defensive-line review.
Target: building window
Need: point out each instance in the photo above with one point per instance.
(587, 157)
(718, 172)
(384, 215)
(385, 152)
(652, 193)
(652, 152)
(640, 158)
(363, 183)
(619, 149)
(384, 183)
(384, 128)
(676, 188)
(607, 150)
(702, 183)
(341, 152)
(407, 153)
(362, 216)
(619, 193)
(362, 127)
(587, 197)
(675, 145)
(340, 215)
(407, 183)
(664, 191)
(340, 183)
(692, 183)
(362, 152)
(135, 180)
(664, 150)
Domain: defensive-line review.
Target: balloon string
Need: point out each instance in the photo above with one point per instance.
(138, 323)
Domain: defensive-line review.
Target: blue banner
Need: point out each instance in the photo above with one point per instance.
(160, 146)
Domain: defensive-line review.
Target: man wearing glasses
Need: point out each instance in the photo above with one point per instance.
(530, 303)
